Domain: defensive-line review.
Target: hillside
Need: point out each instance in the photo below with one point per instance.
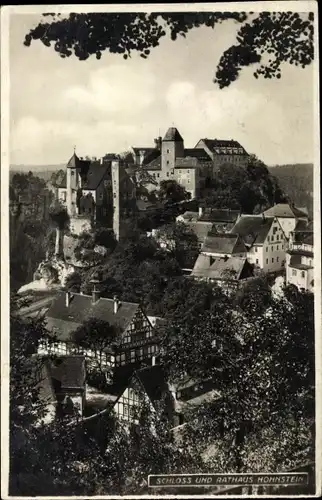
(297, 182)
(42, 171)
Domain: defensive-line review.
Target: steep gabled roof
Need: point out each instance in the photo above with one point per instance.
(172, 135)
(214, 144)
(81, 308)
(219, 215)
(219, 268)
(253, 228)
(284, 210)
(69, 372)
(153, 381)
(224, 243)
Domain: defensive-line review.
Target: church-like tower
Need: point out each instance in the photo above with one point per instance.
(172, 148)
(72, 184)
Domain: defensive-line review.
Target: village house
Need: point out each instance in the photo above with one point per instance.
(287, 215)
(146, 386)
(222, 259)
(135, 340)
(208, 220)
(300, 257)
(264, 239)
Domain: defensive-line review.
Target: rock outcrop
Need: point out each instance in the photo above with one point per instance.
(50, 274)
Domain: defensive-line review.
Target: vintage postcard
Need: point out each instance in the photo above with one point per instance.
(160, 250)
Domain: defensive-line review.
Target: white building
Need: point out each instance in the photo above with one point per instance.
(287, 215)
(264, 239)
(300, 257)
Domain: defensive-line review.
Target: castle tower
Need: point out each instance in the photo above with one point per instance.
(116, 197)
(172, 148)
(72, 184)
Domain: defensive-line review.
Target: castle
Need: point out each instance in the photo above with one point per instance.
(97, 191)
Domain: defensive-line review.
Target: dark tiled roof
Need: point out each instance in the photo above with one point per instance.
(305, 253)
(154, 164)
(69, 372)
(188, 162)
(253, 228)
(92, 173)
(201, 229)
(225, 243)
(81, 309)
(172, 135)
(201, 154)
(218, 268)
(214, 144)
(95, 175)
(284, 210)
(219, 215)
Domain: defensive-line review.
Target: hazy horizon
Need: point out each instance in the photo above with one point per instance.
(109, 105)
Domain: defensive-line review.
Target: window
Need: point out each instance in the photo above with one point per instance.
(267, 238)
(293, 272)
(158, 175)
(277, 259)
(272, 238)
(272, 249)
(256, 261)
(72, 172)
(172, 171)
(256, 249)
(188, 171)
(167, 174)
(277, 247)
(101, 196)
(167, 162)
(266, 261)
(303, 274)
(272, 261)
(266, 249)
(114, 195)
(168, 150)
(282, 247)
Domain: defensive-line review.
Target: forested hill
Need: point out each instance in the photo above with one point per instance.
(297, 181)
(42, 171)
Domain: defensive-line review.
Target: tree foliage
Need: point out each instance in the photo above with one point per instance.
(251, 189)
(262, 366)
(286, 37)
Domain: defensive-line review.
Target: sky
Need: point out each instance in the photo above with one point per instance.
(108, 105)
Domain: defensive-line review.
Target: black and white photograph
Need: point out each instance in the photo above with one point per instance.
(160, 250)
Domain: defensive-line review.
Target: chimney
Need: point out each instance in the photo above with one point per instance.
(158, 142)
(67, 297)
(153, 361)
(201, 210)
(116, 304)
(141, 157)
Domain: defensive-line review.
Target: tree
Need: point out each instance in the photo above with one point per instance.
(91, 34)
(96, 335)
(250, 189)
(172, 192)
(265, 383)
(57, 177)
(180, 241)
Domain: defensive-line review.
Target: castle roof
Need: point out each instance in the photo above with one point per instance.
(173, 135)
(214, 144)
